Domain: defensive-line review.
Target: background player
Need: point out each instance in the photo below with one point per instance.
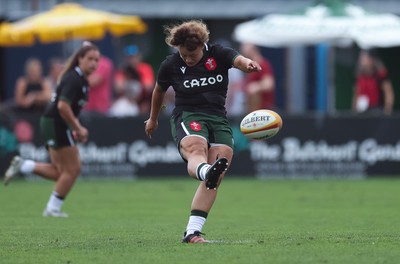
(61, 127)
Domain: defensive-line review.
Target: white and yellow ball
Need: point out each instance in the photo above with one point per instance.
(261, 124)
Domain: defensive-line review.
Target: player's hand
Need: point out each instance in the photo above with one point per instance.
(81, 134)
(253, 66)
(151, 126)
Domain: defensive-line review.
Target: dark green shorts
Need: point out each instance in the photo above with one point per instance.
(56, 133)
(214, 129)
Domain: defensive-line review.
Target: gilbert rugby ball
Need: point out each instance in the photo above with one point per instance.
(261, 124)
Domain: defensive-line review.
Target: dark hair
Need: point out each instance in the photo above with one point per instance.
(373, 55)
(73, 61)
(190, 34)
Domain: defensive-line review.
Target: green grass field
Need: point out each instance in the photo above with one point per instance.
(252, 221)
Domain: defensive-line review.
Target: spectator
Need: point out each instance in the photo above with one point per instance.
(32, 92)
(100, 83)
(55, 68)
(259, 86)
(135, 72)
(126, 104)
(373, 90)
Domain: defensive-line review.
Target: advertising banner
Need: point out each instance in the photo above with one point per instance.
(312, 147)
(306, 147)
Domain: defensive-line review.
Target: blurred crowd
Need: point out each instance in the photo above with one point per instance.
(126, 90)
(114, 91)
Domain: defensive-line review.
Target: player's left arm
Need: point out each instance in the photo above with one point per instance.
(246, 65)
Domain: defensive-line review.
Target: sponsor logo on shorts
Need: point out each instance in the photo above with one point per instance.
(195, 126)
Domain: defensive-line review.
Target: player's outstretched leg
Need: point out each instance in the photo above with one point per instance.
(13, 170)
(214, 172)
(194, 238)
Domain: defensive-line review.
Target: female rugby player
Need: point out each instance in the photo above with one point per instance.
(198, 72)
(61, 128)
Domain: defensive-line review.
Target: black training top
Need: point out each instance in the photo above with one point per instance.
(72, 89)
(203, 87)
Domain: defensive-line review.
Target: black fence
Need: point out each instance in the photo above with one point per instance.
(307, 147)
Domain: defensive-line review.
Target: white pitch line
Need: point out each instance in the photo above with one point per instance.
(232, 241)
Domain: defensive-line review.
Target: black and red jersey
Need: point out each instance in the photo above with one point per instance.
(371, 87)
(203, 87)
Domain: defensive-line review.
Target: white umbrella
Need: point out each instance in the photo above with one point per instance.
(340, 24)
(335, 23)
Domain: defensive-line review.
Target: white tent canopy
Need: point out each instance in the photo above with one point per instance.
(347, 24)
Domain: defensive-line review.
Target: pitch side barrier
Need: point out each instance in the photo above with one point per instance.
(308, 146)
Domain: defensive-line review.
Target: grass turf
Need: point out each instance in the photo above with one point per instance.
(252, 221)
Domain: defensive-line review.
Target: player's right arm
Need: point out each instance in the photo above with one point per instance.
(68, 94)
(67, 114)
(156, 106)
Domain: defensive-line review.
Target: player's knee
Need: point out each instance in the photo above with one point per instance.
(195, 148)
(74, 170)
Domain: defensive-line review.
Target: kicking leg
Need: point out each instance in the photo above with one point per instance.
(204, 199)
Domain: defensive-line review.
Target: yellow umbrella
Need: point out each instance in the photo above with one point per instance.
(8, 39)
(68, 21)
